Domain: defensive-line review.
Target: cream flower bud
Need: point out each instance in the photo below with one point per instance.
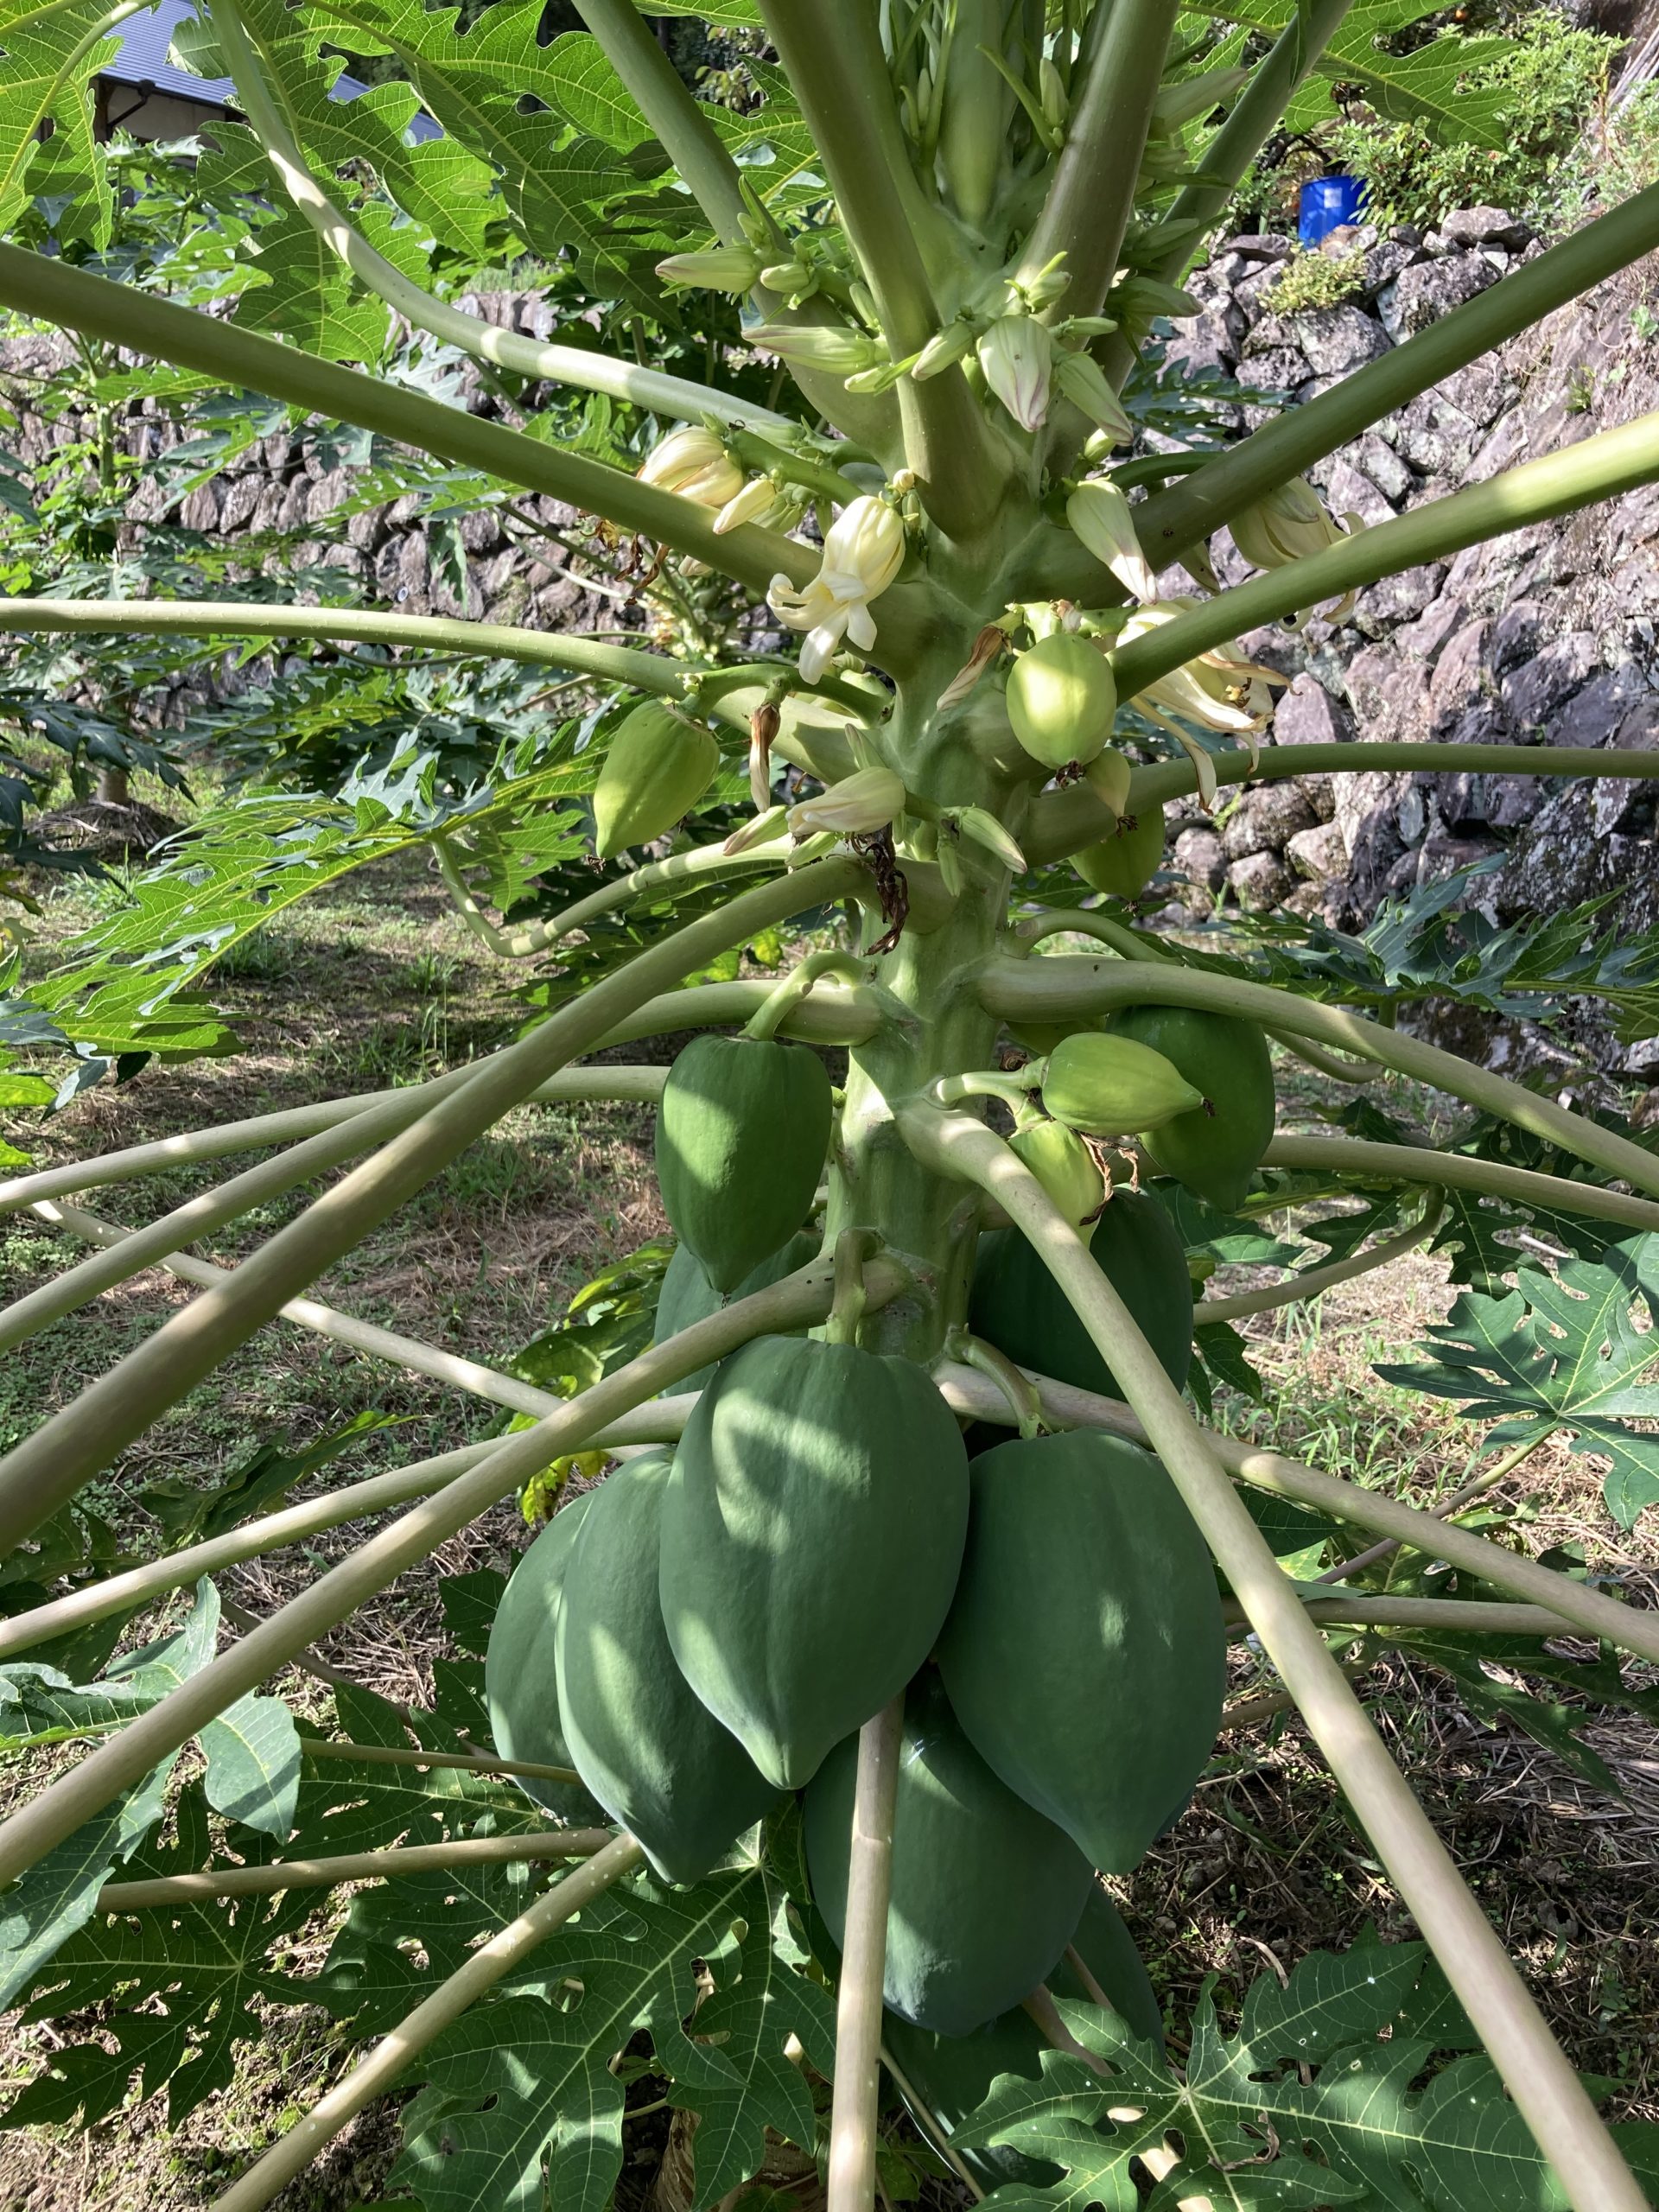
(863, 553)
(855, 807)
(693, 462)
(943, 347)
(756, 502)
(1082, 379)
(721, 269)
(1102, 519)
(830, 347)
(1017, 355)
(1290, 524)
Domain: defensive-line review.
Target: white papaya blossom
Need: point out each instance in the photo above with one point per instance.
(1219, 690)
(693, 462)
(1102, 521)
(1017, 355)
(1292, 524)
(863, 553)
(866, 801)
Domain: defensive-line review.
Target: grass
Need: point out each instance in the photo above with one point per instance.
(381, 984)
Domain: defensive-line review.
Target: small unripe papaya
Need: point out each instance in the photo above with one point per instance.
(1216, 1149)
(1110, 1086)
(986, 1890)
(687, 1295)
(1125, 864)
(1064, 1167)
(1017, 1305)
(659, 766)
(741, 1135)
(1086, 1655)
(811, 1536)
(519, 1686)
(652, 1753)
(1062, 700)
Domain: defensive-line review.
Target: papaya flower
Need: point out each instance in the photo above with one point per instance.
(860, 803)
(834, 347)
(693, 462)
(1102, 520)
(1292, 524)
(1218, 691)
(758, 502)
(863, 553)
(1083, 381)
(718, 269)
(1017, 355)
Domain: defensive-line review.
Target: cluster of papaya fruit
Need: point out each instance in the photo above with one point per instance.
(708, 1631)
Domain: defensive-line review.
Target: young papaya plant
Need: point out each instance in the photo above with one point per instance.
(842, 1723)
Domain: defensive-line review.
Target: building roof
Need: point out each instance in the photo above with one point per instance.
(145, 38)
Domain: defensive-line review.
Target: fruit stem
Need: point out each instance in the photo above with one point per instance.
(856, 2101)
(980, 1083)
(778, 1004)
(852, 1247)
(1015, 1386)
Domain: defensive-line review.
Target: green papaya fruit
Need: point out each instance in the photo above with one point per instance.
(1125, 864)
(811, 1536)
(741, 1135)
(1216, 1150)
(520, 1684)
(1062, 700)
(952, 2075)
(1016, 1305)
(656, 1760)
(986, 1892)
(1086, 1655)
(659, 766)
(1110, 1086)
(687, 1296)
(1064, 1167)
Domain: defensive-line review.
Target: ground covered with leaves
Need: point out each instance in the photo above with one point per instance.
(380, 984)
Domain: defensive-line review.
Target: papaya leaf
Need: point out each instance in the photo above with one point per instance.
(190, 1979)
(256, 1484)
(1561, 1350)
(519, 2080)
(251, 1752)
(1310, 2101)
(52, 55)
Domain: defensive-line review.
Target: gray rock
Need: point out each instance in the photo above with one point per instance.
(1261, 882)
(1600, 710)
(1307, 714)
(1429, 289)
(1337, 341)
(1462, 702)
(1382, 464)
(241, 500)
(1199, 856)
(1266, 819)
(1210, 341)
(1487, 226)
(1389, 695)
(1384, 263)
(1427, 638)
(1433, 434)
(1262, 245)
(1277, 334)
(1319, 853)
(1535, 692)
(1348, 492)
(1515, 635)
(1397, 601)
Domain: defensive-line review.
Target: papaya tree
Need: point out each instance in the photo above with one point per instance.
(841, 1723)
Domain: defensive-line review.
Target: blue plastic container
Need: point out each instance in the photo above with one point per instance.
(1328, 203)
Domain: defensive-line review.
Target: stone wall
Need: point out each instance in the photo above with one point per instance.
(1546, 635)
(1549, 633)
